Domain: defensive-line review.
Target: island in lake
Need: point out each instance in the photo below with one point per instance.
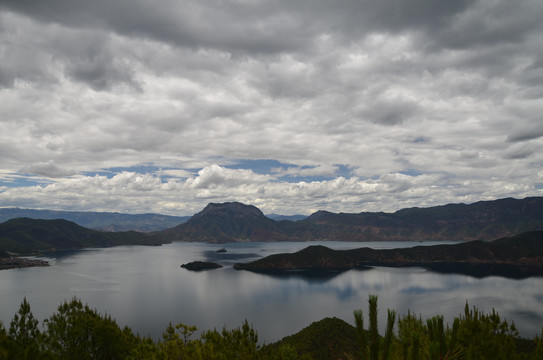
(518, 256)
(201, 265)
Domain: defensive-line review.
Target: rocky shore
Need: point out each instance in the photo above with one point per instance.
(19, 262)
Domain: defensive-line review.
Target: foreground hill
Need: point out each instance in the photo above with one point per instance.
(485, 220)
(105, 221)
(520, 256)
(24, 236)
(329, 338)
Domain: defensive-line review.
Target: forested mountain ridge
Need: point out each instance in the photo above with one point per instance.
(237, 222)
(24, 235)
(518, 256)
(484, 220)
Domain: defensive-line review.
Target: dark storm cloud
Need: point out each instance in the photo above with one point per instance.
(524, 130)
(98, 67)
(228, 25)
(251, 26)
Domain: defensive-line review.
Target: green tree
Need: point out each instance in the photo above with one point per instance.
(486, 336)
(76, 331)
(24, 334)
(443, 344)
(176, 342)
(4, 343)
(372, 346)
(240, 343)
(538, 351)
(144, 349)
(412, 338)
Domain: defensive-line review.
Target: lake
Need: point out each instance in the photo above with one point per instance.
(145, 288)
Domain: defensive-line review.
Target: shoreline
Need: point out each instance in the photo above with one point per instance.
(19, 263)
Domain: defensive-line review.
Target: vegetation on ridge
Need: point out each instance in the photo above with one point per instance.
(76, 331)
(485, 220)
(518, 256)
(103, 221)
(24, 236)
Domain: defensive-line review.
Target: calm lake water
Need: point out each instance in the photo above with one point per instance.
(145, 288)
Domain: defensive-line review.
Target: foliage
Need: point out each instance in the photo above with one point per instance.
(76, 331)
(486, 336)
(328, 338)
(24, 235)
(4, 343)
(24, 334)
(372, 346)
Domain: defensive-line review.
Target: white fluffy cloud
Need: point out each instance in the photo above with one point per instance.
(360, 105)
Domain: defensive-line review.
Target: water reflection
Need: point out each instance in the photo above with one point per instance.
(145, 288)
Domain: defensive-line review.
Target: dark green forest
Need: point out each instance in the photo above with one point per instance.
(76, 331)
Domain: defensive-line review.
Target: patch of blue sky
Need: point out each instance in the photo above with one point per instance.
(411, 172)
(23, 181)
(139, 169)
(108, 174)
(344, 171)
(264, 166)
(269, 166)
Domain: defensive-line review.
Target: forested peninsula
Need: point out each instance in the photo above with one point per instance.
(518, 256)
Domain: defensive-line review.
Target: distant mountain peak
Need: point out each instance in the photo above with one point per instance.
(228, 222)
(320, 215)
(229, 209)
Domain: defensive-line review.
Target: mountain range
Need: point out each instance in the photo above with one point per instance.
(105, 221)
(237, 222)
(484, 220)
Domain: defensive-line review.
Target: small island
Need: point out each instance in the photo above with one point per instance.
(201, 265)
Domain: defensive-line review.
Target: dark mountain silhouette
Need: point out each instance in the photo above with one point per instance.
(485, 220)
(521, 256)
(234, 221)
(279, 217)
(228, 222)
(24, 236)
(106, 221)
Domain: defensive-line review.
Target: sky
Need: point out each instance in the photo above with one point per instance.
(292, 106)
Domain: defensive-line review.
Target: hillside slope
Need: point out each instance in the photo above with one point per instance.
(105, 221)
(24, 235)
(228, 222)
(521, 255)
(486, 220)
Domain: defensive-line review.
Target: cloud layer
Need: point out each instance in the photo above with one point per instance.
(347, 106)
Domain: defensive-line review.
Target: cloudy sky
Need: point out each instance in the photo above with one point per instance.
(292, 106)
